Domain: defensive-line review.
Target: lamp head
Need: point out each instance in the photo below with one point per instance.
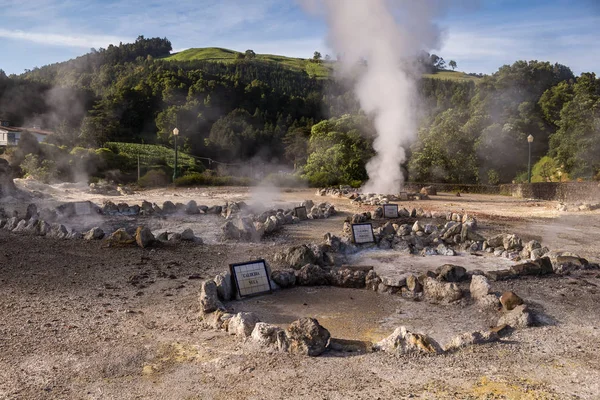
(176, 132)
(530, 139)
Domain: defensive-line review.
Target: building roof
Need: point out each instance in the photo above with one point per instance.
(21, 129)
(38, 131)
(10, 129)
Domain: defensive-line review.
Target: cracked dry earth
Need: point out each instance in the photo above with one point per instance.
(82, 321)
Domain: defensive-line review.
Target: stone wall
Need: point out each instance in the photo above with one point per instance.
(453, 187)
(570, 192)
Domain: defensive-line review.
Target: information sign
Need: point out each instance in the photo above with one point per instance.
(251, 278)
(83, 208)
(363, 233)
(390, 211)
(301, 213)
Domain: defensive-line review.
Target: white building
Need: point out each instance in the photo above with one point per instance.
(10, 135)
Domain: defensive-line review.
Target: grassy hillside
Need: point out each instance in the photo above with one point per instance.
(321, 70)
(452, 75)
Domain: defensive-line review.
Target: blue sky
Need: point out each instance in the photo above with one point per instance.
(481, 36)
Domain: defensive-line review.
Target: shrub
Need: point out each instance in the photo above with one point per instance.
(283, 179)
(154, 178)
(44, 171)
(204, 179)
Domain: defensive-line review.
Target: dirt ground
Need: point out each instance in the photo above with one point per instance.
(83, 321)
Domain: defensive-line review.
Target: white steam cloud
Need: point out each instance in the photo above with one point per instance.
(388, 35)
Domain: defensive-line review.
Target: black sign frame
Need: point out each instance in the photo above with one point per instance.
(303, 215)
(363, 224)
(234, 275)
(392, 206)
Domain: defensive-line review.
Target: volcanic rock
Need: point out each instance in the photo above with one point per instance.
(269, 336)
(451, 273)
(312, 275)
(242, 324)
(348, 278)
(299, 256)
(284, 278)
(372, 281)
(480, 287)
(307, 337)
(230, 231)
(191, 208)
(441, 292)
(209, 298)
(188, 235)
(169, 208)
(403, 341)
(472, 338)
(224, 286)
(31, 211)
(519, 317)
(510, 300)
(94, 234)
(144, 237)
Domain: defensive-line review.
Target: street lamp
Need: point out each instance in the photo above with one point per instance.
(175, 133)
(529, 140)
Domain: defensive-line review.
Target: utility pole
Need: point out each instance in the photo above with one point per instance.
(175, 133)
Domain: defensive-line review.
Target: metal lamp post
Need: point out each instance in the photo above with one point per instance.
(529, 140)
(175, 133)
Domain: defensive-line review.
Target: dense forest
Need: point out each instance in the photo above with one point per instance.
(470, 131)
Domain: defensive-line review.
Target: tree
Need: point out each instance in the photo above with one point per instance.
(249, 54)
(327, 57)
(317, 57)
(452, 64)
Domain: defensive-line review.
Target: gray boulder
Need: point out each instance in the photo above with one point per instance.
(403, 341)
(472, 338)
(480, 287)
(242, 324)
(191, 208)
(268, 335)
(441, 292)
(94, 234)
(144, 237)
(451, 273)
(299, 256)
(519, 317)
(284, 278)
(312, 275)
(224, 286)
(209, 297)
(307, 337)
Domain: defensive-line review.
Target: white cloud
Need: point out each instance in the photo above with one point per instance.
(486, 47)
(82, 41)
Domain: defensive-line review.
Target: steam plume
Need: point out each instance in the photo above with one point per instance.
(388, 35)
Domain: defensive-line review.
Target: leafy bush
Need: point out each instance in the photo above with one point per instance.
(44, 171)
(152, 154)
(154, 178)
(206, 179)
(285, 180)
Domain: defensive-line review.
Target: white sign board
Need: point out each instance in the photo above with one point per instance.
(390, 211)
(363, 233)
(83, 208)
(251, 278)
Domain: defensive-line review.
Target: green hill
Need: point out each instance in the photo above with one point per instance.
(318, 70)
